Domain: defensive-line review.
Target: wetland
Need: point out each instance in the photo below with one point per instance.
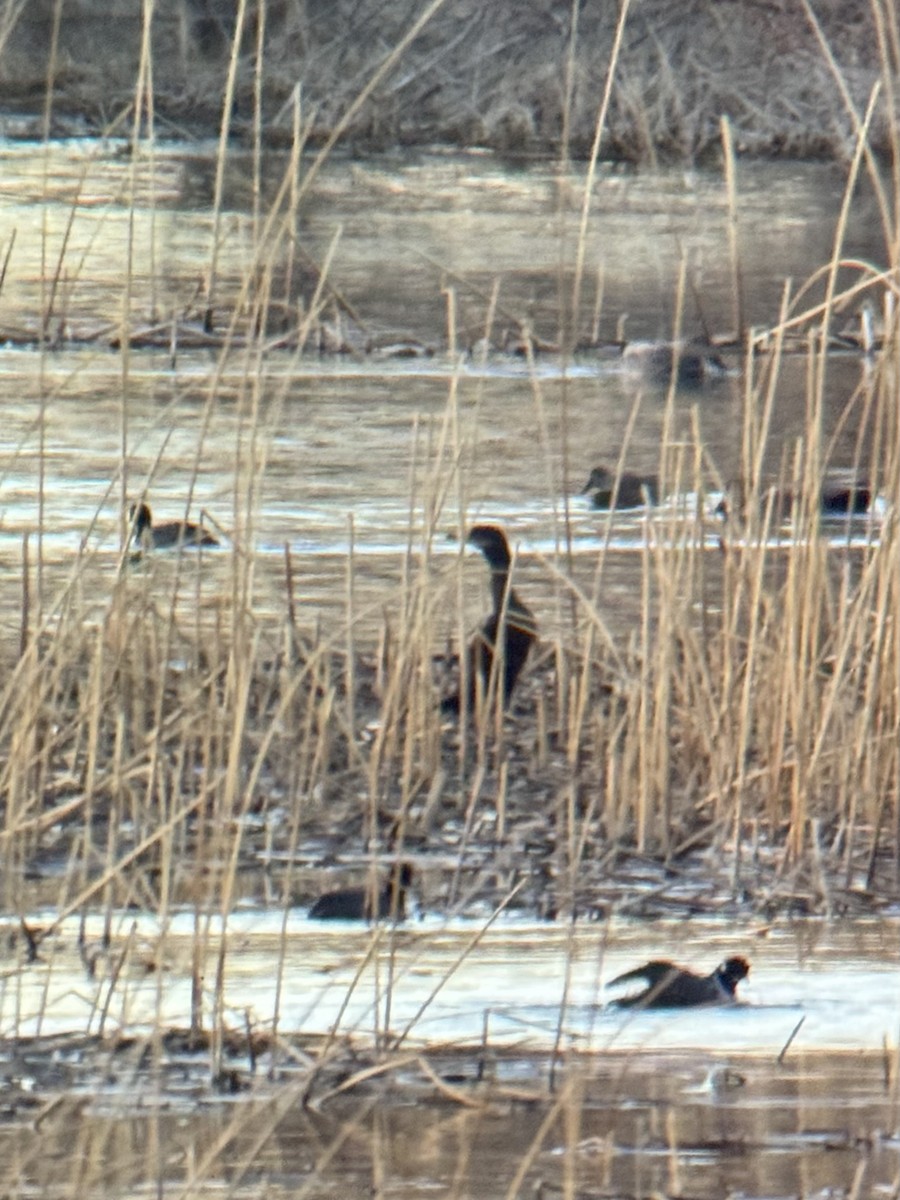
(701, 757)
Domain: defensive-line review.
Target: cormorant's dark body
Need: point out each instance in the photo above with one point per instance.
(511, 625)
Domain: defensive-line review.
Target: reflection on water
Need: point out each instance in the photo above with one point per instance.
(619, 1126)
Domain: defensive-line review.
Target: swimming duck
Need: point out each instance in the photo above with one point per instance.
(693, 363)
(671, 986)
(623, 491)
(835, 500)
(146, 535)
(356, 904)
(511, 618)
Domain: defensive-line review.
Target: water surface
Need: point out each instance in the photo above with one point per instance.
(307, 458)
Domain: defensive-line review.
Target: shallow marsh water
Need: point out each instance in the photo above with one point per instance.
(793, 1092)
(389, 456)
(512, 982)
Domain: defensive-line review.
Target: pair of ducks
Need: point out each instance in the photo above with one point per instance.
(609, 490)
(666, 985)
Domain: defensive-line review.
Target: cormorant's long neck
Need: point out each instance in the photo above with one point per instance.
(499, 587)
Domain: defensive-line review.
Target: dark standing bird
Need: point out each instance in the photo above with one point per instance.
(623, 491)
(148, 536)
(670, 986)
(360, 904)
(511, 625)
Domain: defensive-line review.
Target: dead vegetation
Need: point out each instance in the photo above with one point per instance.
(164, 744)
(523, 79)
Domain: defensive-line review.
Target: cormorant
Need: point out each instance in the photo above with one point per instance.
(511, 622)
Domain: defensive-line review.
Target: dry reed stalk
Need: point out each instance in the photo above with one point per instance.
(734, 252)
(221, 157)
(599, 128)
(885, 17)
(885, 207)
(563, 1101)
(463, 955)
(573, 855)
(259, 62)
(12, 10)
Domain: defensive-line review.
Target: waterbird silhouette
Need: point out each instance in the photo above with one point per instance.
(623, 491)
(148, 536)
(671, 986)
(361, 904)
(511, 625)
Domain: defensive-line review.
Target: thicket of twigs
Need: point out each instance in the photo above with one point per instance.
(524, 78)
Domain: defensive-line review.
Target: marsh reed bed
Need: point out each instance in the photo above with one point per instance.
(748, 718)
(177, 741)
(174, 734)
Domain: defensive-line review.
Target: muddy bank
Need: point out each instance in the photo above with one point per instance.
(519, 79)
(632, 1126)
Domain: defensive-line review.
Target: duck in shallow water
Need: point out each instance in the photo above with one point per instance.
(359, 904)
(511, 624)
(671, 986)
(691, 364)
(148, 536)
(623, 491)
(836, 499)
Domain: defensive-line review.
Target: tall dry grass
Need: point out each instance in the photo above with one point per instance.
(747, 731)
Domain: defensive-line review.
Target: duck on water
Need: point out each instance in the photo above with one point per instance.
(147, 536)
(689, 364)
(835, 498)
(364, 904)
(667, 985)
(510, 625)
(610, 491)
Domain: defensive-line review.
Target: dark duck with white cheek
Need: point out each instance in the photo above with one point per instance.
(671, 986)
